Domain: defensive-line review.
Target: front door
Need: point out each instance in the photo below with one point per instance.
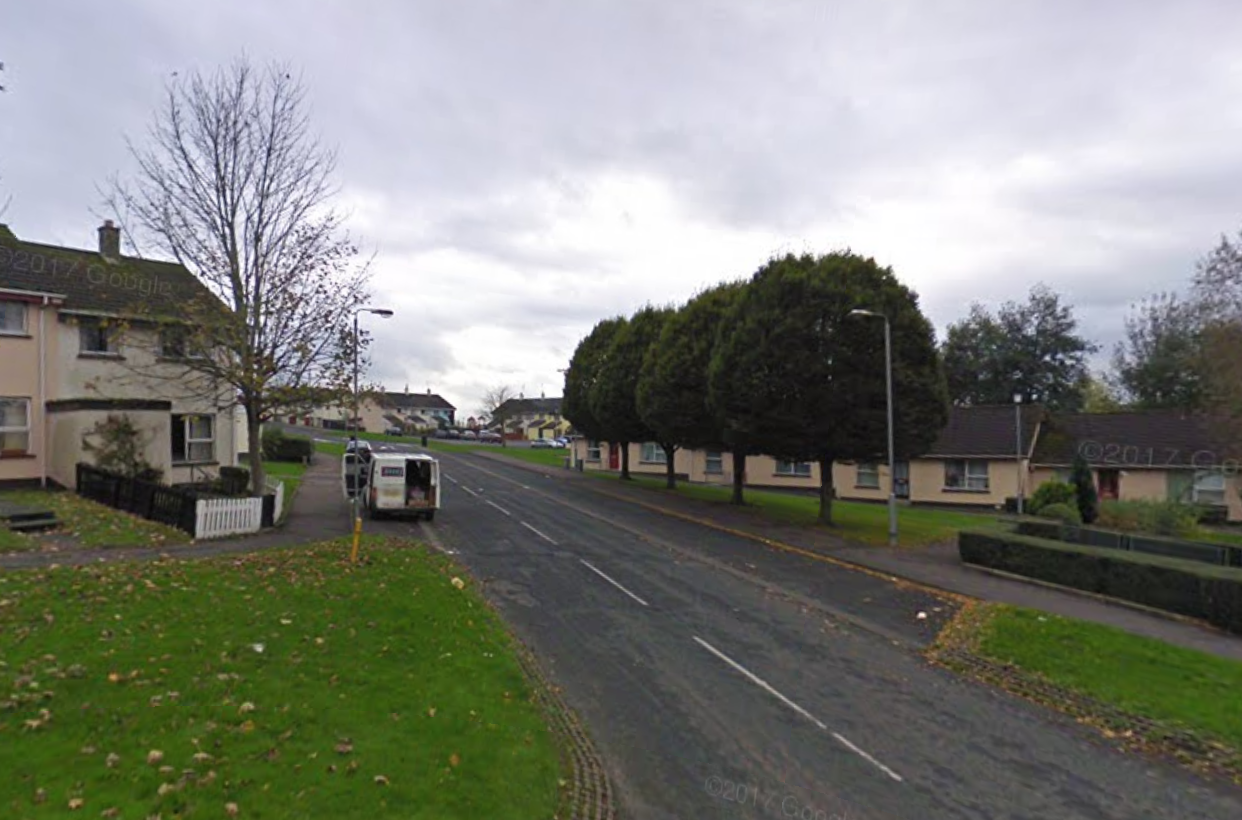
(901, 479)
(1110, 481)
(614, 457)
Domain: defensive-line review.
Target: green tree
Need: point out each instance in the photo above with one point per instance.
(583, 373)
(1098, 396)
(614, 396)
(1217, 296)
(1087, 498)
(797, 377)
(1159, 364)
(1031, 348)
(672, 390)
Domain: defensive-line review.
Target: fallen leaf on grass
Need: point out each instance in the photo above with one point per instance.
(246, 707)
(459, 583)
(344, 747)
(454, 760)
(231, 809)
(76, 803)
(381, 780)
(112, 760)
(154, 756)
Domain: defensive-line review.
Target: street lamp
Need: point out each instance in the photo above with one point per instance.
(384, 312)
(892, 464)
(1017, 412)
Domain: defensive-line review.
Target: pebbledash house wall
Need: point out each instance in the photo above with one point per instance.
(20, 354)
(79, 381)
(1144, 484)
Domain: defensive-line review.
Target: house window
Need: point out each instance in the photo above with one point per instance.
(652, 453)
(868, 476)
(193, 438)
(14, 426)
(715, 463)
(13, 318)
(175, 344)
(1210, 487)
(592, 451)
(966, 474)
(94, 337)
(799, 469)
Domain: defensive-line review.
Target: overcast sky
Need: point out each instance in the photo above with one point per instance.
(524, 169)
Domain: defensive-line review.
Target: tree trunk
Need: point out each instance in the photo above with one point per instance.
(825, 492)
(255, 456)
(670, 472)
(625, 461)
(739, 476)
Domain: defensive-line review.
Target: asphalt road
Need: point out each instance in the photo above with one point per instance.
(719, 678)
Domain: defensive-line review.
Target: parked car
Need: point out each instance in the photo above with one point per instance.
(441, 433)
(393, 431)
(469, 434)
(542, 444)
(489, 436)
(454, 433)
(561, 441)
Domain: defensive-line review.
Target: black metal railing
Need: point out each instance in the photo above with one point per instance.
(155, 502)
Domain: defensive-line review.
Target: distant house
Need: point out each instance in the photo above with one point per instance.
(525, 418)
(88, 334)
(377, 412)
(986, 455)
(1162, 455)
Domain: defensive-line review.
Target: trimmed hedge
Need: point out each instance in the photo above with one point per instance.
(279, 447)
(1212, 594)
(1208, 553)
(1065, 513)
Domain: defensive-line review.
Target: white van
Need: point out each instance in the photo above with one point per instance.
(405, 484)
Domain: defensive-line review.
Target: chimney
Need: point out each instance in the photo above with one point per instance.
(110, 240)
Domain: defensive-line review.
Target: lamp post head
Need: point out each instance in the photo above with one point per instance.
(861, 312)
(1017, 398)
(385, 312)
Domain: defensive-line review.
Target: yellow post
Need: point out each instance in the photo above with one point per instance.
(353, 556)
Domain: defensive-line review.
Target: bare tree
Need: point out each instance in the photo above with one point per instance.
(232, 184)
(497, 404)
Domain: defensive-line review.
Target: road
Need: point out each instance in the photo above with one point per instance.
(722, 679)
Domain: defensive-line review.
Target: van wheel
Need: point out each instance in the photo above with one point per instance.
(429, 516)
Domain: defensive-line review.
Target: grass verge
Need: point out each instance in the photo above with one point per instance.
(852, 520)
(278, 684)
(1179, 689)
(91, 524)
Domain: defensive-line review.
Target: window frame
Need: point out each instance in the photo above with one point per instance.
(1220, 492)
(19, 430)
(178, 335)
(870, 468)
(716, 456)
(593, 451)
(654, 455)
(188, 441)
(969, 480)
(792, 469)
(105, 332)
(23, 312)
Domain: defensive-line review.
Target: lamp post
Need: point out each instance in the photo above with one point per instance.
(892, 462)
(1017, 412)
(354, 422)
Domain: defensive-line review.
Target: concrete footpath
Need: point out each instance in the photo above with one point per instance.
(935, 566)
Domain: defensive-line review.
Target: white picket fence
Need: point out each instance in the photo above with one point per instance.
(218, 517)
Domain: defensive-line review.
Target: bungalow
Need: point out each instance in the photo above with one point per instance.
(85, 335)
(531, 419)
(377, 412)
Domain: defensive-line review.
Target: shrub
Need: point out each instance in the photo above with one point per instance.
(1062, 512)
(1084, 490)
(1051, 492)
(1197, 590)
(234, 480)
(279, 447)
(1155, 517)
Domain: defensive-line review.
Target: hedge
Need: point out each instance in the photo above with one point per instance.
(279, 447)
(1212, 594)
(1220, 554)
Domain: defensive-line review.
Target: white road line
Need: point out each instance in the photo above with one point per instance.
(538, 533)
(450, 478)
(762, 684)
(846, 743)
(472, 492)
(614, 583)
(502, 509)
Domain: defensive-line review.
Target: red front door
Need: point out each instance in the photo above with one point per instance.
(614, 457)
(1110, 484)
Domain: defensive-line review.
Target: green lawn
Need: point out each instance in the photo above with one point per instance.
(853, 520)
(278, 684)
(1143, 676)
(91, 524)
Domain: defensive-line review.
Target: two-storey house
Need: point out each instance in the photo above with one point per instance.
(88, 334)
